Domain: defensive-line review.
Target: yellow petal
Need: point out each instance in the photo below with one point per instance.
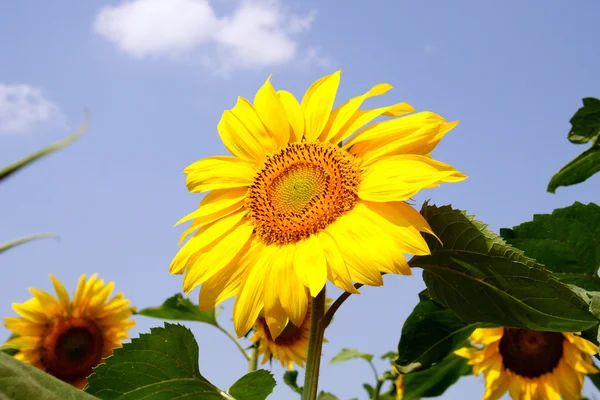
(581, 362)
(402, 214)
(294, 115)
(397, 178)
(215, 258)
(217, 204)
(274, 313)
(568, 381)
(382, 245)
(250, 299)
(203, 238)
(272, 114)
(240, 141)
(81, 287)
(23, 327)
(363, 117)
(61, 292)
(584, 345)
(317, 103)
(485, 336)
(464, 352)
(46, 300)
(310, 264)
(518, 388)
(388, 216)
(341, 115)
(99, 299)
(421, 141)
(551, 388)
(83, 298)
(395, 128)
(294, 298)
(23, 342)
(224, 284)
(194, 226)
(31, 311)
(219, 172)
(336, 262)
(496, 381)
(348, 237)
(246, 113)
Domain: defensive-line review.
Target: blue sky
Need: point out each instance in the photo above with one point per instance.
(157, 76)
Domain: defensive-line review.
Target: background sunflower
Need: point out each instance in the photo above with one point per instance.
(68, 338)
(530, 364)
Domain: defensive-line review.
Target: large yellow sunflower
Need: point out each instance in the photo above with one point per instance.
(310, 194)
(531, 365)
(291, 346)
(68, 338)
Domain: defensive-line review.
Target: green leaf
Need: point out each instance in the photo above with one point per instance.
(290, 378)
(567, 242)
(483, 279)
(370, 390)
(326, 396)
(162, 364)
(25, 239)
(350, 354)
(390, 355)
(12, 168)
(22, 381)
(429, 334)
(586, 122)
(434, 381)
(180, 308)
(11, 351)
(255, 385)
(585, 128)
(577, 170)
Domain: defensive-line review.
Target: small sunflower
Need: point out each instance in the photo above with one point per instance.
(291, 346)
(309, 195)
(68, 338)
(530, 364)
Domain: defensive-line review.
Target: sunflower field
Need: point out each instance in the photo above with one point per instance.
(311, 206)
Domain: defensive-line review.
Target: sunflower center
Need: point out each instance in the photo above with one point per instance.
(531, 353)
(290, 334)
(71, 348)
(300, 190)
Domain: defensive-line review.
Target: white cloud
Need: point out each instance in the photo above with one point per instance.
(255, 34)
(157, 27)
(22, 107)
(313, 56)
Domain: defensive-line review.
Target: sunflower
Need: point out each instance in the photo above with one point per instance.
(68, 338)
(309, 195)
(530, 364)
(291, 346)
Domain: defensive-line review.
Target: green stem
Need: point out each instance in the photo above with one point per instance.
(315, 345)
(234, 340)
(377, 379)
(377, 389)
(253, 360)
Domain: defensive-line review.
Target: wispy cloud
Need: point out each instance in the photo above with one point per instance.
(23, 107)
(255, 34)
